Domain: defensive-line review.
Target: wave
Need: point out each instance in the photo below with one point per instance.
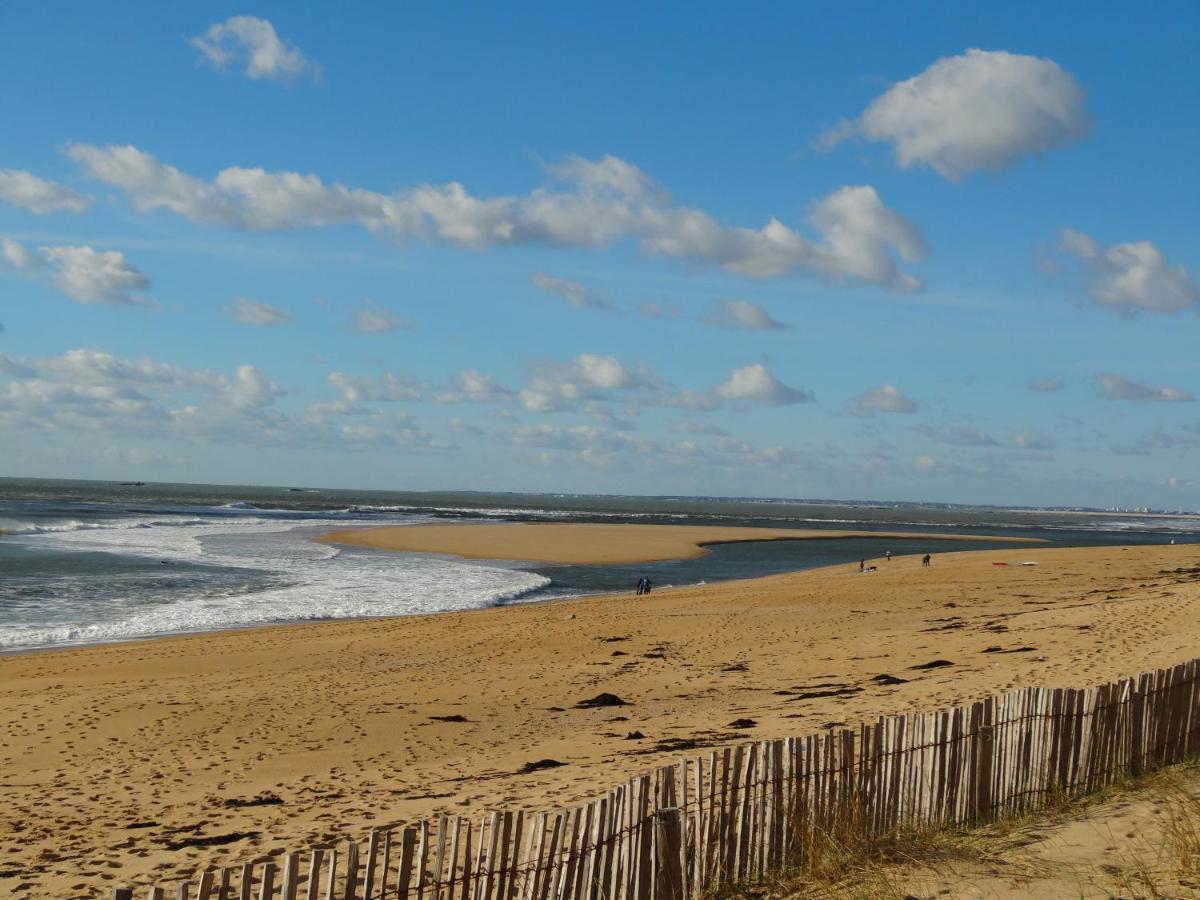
(242, 571)
(16, 528)
(249, 606)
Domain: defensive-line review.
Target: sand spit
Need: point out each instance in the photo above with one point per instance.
(596, 544)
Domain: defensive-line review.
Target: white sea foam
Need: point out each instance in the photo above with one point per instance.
(287, 578)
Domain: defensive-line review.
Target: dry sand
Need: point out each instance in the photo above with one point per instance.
(111, 755)
(1135, 843)
(593, 544)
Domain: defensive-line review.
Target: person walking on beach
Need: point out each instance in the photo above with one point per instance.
(647, 590)
(641, 588)
(889, 555)
(862, 565)
(925, 561)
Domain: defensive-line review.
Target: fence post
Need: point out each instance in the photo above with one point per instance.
(668, 830)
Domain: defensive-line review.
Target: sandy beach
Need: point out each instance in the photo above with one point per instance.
(113, 758)
(595, 544)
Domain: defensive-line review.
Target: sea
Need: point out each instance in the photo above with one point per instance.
(85, 562)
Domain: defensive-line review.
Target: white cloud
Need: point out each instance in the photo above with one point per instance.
(979, 110)
(252, 44)
(95, 276)
(1046, 385)
(1132, 276)
(82, 273)
(756, 384)
(571, 291)
(88, 391)
(390, 388)
(741, 314)
(251, 388)
(152, 185)
(472, 386)
(886, 398)
(254, 312)
(15, 255)
(91, 367)
(14, 369)
(858, 237)
(590, 376)
(590, 380)
(38, 195)
(1118, 387)
(588, 204)
(375, 319)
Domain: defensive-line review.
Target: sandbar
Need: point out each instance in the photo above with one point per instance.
(586, 543)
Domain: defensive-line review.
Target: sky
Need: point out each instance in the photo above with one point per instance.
(933, 253)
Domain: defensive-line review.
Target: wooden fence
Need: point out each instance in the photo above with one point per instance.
(740, 813)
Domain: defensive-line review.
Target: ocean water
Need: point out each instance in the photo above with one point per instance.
(88, 562)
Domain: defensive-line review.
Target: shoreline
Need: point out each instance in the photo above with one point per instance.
(585, 543)
(682, 542)
(353, 723)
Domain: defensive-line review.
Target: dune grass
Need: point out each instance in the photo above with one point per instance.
(1163, 862)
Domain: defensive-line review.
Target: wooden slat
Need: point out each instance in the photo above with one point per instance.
(369, 869)
(408, 843)
(550, 874)
(439, 858)
(503, 856)
(699, 828)
(593, 873)
(267, 886)
(571, 853)
(386, 865)
(489, 876)
(455, 845)
(606, 830)
(331, 877)
(314, 875)
(514, 856)
(291, 877)
(422, 862)
(668, 826)
(468, 865)
(537, 841)
(350, 889)
(246, 886)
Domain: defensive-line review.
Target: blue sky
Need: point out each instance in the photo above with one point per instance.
(920, 253)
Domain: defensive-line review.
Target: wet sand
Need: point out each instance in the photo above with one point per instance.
(111, 755)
